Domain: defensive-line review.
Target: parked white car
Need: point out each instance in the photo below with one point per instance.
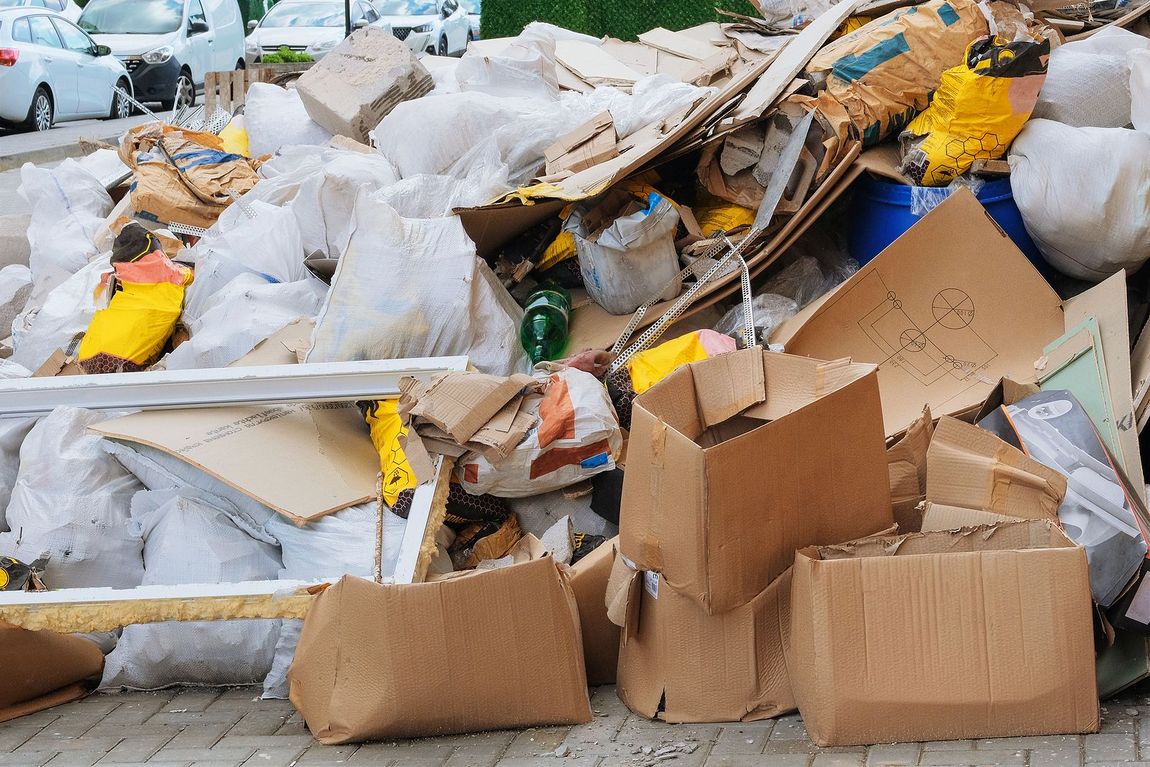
(313, 27)
(66, 8)
(169, 46)
(51, 70)
(439, 27)
(474, 11)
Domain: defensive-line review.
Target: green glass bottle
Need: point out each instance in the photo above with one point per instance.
(544, 329)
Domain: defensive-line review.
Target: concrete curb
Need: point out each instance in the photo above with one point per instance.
(52, 153)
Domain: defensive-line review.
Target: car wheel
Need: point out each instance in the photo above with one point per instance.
(40, 113)
(121, 107)
(241, 65)
(443, 46)
(185, 95)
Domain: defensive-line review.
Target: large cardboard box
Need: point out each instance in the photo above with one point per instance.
(736, 461)
(589, 578)
(679, 664)
(944, 635)
(484, 651)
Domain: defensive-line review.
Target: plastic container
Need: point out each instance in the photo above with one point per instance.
(883, 210)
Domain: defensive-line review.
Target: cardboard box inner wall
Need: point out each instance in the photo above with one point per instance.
(945, 635)
(737, 461)
(589, 578)
(484, 651)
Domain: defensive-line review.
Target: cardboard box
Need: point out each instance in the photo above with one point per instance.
(43, 669)
(736, 461)
(947, 635)
(906, 468)
(589, 578)
(355, 86)
(487, 650)
(679, 664)
(938, 314)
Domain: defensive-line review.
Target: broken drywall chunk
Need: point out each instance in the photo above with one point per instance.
(361, 81)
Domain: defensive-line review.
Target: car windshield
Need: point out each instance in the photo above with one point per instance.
(132, 17)
(408, 8)
(304, 15)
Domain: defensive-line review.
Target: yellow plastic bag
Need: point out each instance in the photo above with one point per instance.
(387, 430)
(652, 366)
(979, 109)
(723, 218)
(235, 137)
(131, 333)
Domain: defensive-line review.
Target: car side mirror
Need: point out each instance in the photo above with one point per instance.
(252, 25)
(197, 27)
(360, 24)
(102, 50)
(445, 12)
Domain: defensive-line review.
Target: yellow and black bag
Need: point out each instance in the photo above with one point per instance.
(978, 110)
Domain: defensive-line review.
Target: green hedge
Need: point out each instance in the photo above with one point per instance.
(624, 19)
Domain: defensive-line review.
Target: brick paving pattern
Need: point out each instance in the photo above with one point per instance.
(232, 727)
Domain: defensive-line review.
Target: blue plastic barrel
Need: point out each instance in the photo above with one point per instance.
(882, 211)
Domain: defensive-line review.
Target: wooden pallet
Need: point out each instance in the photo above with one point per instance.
(228, 90)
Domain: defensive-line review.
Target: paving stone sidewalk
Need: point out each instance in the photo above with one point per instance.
(229, 728)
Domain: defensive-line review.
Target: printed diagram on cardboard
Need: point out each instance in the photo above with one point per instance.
(928, 342)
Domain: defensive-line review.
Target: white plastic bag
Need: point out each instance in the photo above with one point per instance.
(415, 288)
(538, 513)
(770, 310)
(525, 66)
(549, 458)
(69, 206)
(632, 260)
(276, 117)
(158, 470)
(13, 431)
(338, 544)
(64, 316)
(15, 288)
(188, 541)
(1140, 89)
(269, 244)
(71, 502)
(1088, 82)
(1084, 194)
(325, 200)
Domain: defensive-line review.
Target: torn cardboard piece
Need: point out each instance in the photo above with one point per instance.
(301, 460)
(934, 326)
(1009, 649)
(362, 638)
(906, 467)
(587, 145)
(697, 505)
(460, 404)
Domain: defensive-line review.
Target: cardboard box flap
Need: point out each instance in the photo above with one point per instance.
(1007, 392)
(972, 468)
(1016, 535)
(934, 326)
(795, 382)
(694, 397)
(936, 516)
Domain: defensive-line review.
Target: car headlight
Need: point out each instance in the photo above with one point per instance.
(422, 28)
(326, 45)
(159, 55)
